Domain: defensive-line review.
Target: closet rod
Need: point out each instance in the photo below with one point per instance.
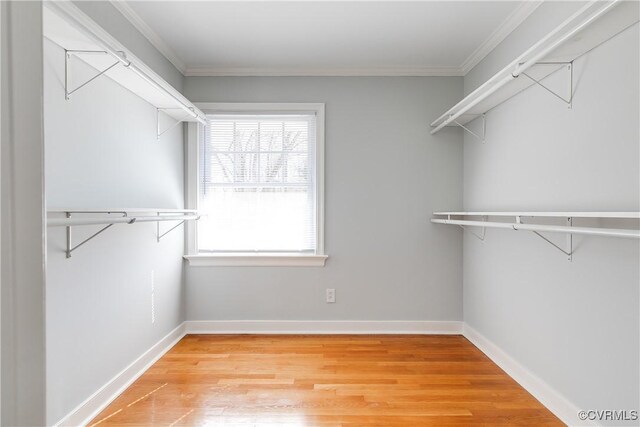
(67, 222)
(612, 232)
(584, 214)
(127, 211)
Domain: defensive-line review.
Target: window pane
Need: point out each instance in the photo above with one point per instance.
(256, 219)
(271, 135)
(257, 184)
(297, 168)
(221, 135)
(246, 135)
(245, 167)
(221, 168)
(272, 167)
(296, 136)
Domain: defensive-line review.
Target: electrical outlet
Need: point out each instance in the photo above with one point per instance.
(331, 295)
(153, 297)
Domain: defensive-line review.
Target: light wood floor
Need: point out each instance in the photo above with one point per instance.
(325, 380)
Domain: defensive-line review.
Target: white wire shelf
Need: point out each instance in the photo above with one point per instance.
(612, 232)
(619, 215)
(58, 210)
(518, 224)
(68, 222)
(111, 217)
(592, 25)
(67, 26)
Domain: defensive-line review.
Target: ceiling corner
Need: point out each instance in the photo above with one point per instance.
(209, 71)
(511, 22)
(123, 7)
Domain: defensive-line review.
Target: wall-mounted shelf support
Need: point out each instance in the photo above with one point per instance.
(567, 99)
(593, 24)
(66, 25)
(160, 236)
(484, 128)
(470, 231)
(568, 67)
(176, 123)
(67, 69)
(127, 216)
(568, 229)
(477, 236)
(569, 251)
(71, 248)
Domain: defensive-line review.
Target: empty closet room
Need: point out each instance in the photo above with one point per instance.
(320, 213)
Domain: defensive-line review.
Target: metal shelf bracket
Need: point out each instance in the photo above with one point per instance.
(568, 67)
(71, 248)
(160, 236)
(67, 69)
(569, 251)
(162, 132)
(474, 234)
(484, 128)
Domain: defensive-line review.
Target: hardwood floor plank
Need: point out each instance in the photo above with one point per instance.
(325, 380)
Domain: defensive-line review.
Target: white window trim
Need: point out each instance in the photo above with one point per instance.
(259, 259)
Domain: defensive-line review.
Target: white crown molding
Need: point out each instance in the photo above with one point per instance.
(507, 26)
(332, 72)
(123, 7)
(512, 22)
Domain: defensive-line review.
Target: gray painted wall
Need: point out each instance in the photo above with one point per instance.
(538, 155)
(385, 174)
(574, 324)
(22, 227)
(102, 152)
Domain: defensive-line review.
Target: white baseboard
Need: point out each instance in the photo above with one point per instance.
(322, 327)
(547, 395)
(99, 400)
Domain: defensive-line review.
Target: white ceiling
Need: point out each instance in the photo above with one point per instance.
(325, 37)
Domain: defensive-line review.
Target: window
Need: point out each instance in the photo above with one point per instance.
(260, 186)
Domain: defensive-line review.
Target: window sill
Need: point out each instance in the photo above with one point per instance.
(255, 260)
